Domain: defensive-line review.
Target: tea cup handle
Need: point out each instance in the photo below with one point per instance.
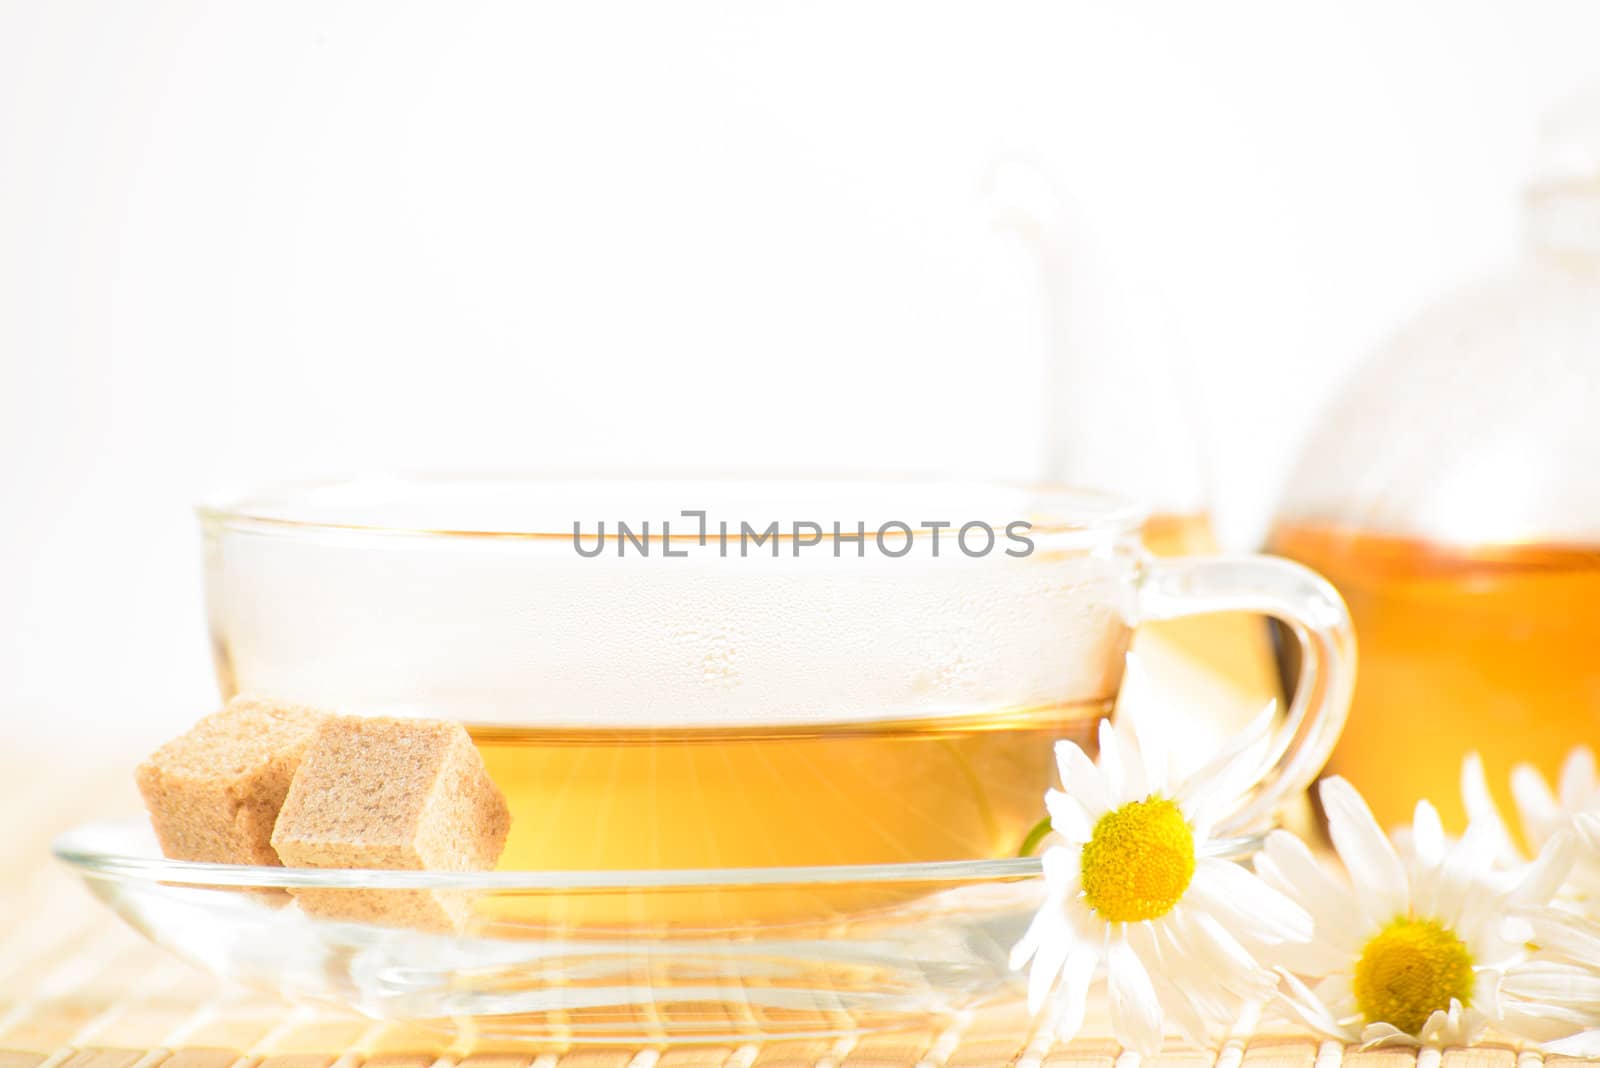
(1302, 740)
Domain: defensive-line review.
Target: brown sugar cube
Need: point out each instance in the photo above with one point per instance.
(392, 793)
(214, 792)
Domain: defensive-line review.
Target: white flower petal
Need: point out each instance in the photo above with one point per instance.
(1085, 921)
(1147, 735)
(1427, 835)
(1309, 1008)
(1543, 1023)
(1307, 958)
(1135, 1013)
(1441, 1023)
(1585, 1044)
(1459, 1026)
(1112, 766)
(1067, 817)
(1082, 780)
(1566, 936)
(1233, 771)
(1336, 992)
(1073, 1001)
(1486, 988)
(1587, 824)
(1463, 879)
(1061, 867)
(1480, 806)
(1052, 921)
(1288, 866)
(1378, 1035)
(1577, 779)
(1233, 968)
(1536, 805)
(1047, 964)
(1494, 939)
(1375, 869)
(1542, 879)
(1194, 973)
(1181, 1009)
(1246, 902)
(1160, 944)
(1552, 984)
(1047, 924)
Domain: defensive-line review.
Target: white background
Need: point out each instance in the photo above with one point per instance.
(251, 241)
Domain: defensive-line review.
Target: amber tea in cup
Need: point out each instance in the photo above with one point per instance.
(733, 674)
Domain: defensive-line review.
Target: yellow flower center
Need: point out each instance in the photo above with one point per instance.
(1139, 861)
(1409, 970)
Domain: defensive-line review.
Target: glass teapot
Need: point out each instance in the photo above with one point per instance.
(1451, 495)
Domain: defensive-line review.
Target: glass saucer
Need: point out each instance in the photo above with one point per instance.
(598, 956)
(569, 956)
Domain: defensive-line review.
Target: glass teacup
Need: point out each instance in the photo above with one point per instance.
(714, 673)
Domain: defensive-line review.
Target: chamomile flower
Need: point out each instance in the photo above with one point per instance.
(1408, 951)
(1553, 997)
(1137, 893)
(1573, 807)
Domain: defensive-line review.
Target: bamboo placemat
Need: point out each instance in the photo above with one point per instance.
(78, 989)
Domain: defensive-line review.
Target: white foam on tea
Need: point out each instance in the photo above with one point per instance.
(493, 632)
